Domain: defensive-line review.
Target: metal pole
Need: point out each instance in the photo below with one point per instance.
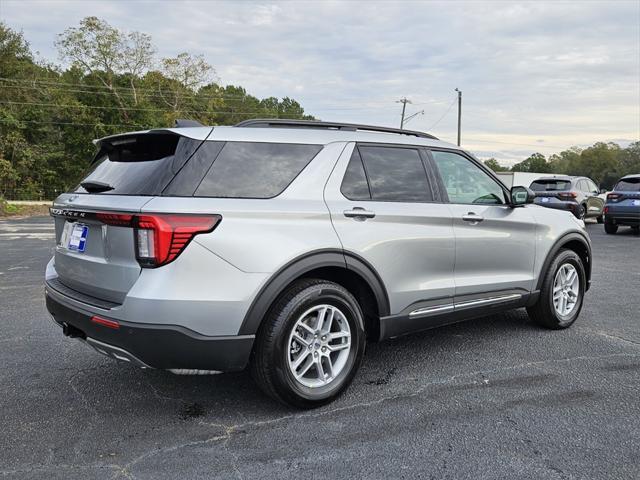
(459, 114)
(404, 102)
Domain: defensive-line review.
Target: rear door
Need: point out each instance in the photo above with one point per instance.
(96, 258)
(385, 210)
(495, 243)
(595, 204)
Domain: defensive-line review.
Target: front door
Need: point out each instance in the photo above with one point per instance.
(495, 243)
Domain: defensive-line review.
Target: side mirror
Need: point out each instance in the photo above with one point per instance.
(603, 190)
(521, 196)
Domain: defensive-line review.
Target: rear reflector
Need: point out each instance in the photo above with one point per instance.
(105, 322)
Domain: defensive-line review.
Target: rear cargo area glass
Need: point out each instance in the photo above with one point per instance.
(139, 164)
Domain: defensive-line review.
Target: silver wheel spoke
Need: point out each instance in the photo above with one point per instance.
(306, 327)
(329, 365)
(320, 370)
(336, 335)
(300, 340)
(301, 357)
(338, 347)
(320, 319)
(305, 369)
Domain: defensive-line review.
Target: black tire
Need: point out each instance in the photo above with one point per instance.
(582, 212)
(610, 228)
(600, 219)
(269, 365)
(543, 312)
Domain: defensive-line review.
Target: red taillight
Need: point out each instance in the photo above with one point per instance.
(567, 195)
(115, 219)
(105, 322)
(160, 238)
(613, 196)
(606, 210)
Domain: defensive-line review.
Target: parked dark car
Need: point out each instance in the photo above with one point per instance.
(623, 204)
(579, 195)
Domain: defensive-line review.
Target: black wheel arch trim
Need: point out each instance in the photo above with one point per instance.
(557, 246)
(304, 264)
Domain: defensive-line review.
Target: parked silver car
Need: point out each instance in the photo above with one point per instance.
(284, 245)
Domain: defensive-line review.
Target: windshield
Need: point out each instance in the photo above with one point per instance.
(550, 185)
(628, 185)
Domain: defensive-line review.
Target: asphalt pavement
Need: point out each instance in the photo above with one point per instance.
(495, 397)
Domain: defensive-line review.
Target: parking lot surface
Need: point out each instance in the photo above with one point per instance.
(495, 397)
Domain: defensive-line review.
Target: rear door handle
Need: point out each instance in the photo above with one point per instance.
(472, 218)
(359, 213)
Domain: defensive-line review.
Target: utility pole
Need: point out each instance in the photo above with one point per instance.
(459, 113)
(404, 102)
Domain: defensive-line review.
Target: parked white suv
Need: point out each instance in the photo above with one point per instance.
(285, 244)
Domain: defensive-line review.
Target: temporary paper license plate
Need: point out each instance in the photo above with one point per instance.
(545, 199)
(74, 236)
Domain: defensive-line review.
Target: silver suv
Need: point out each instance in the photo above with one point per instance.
(284, 245)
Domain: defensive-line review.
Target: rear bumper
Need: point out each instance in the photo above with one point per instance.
(623, 218)
(572, 207)
(157, 346)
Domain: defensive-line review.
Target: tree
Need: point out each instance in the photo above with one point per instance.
(536, 163)
(493, 164)
(183, 75)
(105, 52)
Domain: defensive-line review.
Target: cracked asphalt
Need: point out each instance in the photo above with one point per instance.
(496, 397)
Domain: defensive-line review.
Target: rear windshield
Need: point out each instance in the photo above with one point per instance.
(137, 165)
(550, 185)
(628, 185)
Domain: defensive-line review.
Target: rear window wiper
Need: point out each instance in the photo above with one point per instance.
(96, 187)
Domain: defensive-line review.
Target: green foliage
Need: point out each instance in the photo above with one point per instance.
(604, 163)
(535, 163)
(493, 164)
(49, 115)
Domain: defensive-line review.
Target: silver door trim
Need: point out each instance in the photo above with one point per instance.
(488, 301)
(435, 309)
(438, 309)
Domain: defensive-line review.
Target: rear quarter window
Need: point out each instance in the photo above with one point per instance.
(254, 169)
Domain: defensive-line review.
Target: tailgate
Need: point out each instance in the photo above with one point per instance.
(107, 268)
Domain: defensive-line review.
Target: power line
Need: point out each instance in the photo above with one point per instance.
(442, 117)
(115, 107)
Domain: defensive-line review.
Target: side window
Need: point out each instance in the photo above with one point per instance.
(396, 174)
(354, 184)
(593, 188)
(255, 170)
(466, 182)
(582, 186)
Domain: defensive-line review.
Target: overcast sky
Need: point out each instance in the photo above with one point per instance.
(536, 76)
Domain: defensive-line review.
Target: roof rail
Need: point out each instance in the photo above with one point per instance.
(352, 127)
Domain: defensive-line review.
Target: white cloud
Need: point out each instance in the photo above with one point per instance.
(536, 76)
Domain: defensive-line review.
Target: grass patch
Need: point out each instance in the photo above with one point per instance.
(8, 209)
